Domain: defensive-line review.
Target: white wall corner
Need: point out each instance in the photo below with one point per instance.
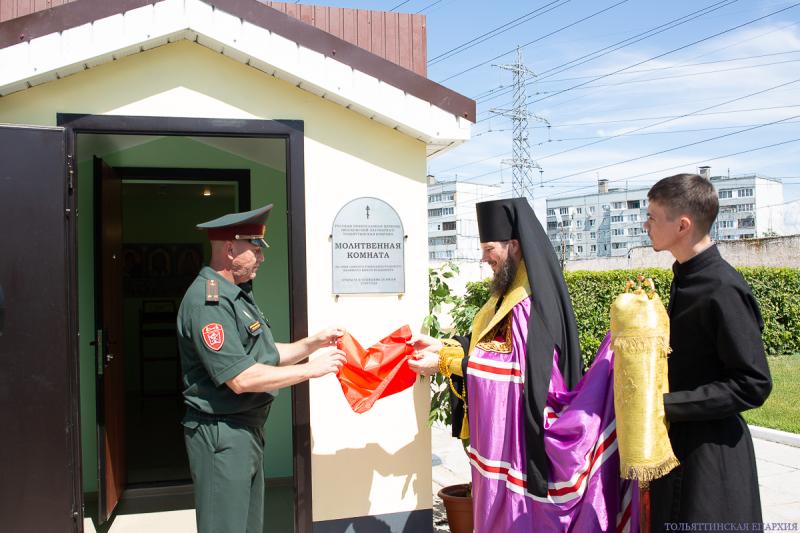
(199, 17)
(169, 16)
(45, 53)
(138, 24)
(337, 79)
(253, 40)
(15, 63)
(283, 54)
(108, 33)
(76, 46)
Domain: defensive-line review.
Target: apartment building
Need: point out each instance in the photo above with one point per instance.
(610, 221)
(452, 224)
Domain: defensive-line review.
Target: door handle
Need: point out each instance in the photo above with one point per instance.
(2, 311)
(100, 348)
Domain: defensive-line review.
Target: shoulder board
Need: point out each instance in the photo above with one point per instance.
(212, 291)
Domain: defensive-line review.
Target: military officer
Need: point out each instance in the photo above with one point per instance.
(232, 369)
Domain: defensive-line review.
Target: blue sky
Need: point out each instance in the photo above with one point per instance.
(673, 100)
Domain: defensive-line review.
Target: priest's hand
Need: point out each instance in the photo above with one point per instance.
(425, 363)
(425, 360)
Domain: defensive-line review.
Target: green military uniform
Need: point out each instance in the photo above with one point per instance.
(222, 332)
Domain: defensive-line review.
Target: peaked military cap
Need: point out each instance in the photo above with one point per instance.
(247, 226)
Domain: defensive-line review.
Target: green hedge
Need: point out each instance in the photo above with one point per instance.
(776, 289)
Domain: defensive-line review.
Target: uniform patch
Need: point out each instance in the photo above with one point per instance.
(254, 327)
(214, 336)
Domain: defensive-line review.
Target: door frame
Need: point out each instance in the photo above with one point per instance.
(292, 131)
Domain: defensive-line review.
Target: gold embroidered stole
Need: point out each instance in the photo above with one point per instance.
(640, 340)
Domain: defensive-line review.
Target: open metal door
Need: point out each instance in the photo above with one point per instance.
(40, 459)
(109, 360)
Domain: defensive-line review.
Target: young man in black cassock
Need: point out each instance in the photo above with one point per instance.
(717, 368)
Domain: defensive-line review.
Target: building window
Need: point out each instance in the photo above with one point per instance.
(617, 205)
(448, 210)
(563, 211)
(748, 222)
(617, 218)
(448, 196)
(725, 193)
(725, 224)
(579, 210)
(744, 193)
(580, 236)
(591, 210)
(633, 218)
(744, 207)
(431, 255)
(593, 248)
(644, 203)
(580, 249)
(593, 235)
(746, 236)
(591, 223)
(618, 245)
(551, 212)
(435, 198)
(633, 232)
(449, 226)
(633, 204)
(435, 212)
(552, 225)
(442, 241)
(617, 231)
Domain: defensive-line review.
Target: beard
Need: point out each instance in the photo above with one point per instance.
(503, 278)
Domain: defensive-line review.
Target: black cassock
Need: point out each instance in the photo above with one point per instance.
(717, 369)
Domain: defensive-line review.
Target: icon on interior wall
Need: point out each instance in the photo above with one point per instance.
(160, 270)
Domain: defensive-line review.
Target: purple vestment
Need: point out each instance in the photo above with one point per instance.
(585, 491)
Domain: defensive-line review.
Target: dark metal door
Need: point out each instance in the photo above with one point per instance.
(39, 457)
(110, 362)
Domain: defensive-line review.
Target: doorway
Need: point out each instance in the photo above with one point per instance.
(161, 255)
(173, 177)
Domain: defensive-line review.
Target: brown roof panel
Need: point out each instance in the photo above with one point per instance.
(387, 46)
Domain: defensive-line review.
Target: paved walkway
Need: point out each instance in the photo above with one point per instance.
(778, 474)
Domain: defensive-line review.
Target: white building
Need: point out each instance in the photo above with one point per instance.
(452, 223)
(610, 222)
(602, 224)
(750, 206)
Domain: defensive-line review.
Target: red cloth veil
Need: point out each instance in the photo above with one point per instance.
(379, 371)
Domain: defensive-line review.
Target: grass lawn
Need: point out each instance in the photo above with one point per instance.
(782, 408)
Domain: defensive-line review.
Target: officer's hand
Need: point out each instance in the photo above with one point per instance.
(422, 342)
(328, 360)
(326, 337)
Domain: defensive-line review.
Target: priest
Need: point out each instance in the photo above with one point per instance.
(543, 456)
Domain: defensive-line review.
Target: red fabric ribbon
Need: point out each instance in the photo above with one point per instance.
(377, 372)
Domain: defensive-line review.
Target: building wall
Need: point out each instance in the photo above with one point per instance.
(383, 454)
(453, 234)
(750, 206)
(782, 252)
(597, 225)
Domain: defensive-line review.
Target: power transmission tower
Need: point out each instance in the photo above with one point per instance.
(521, 162)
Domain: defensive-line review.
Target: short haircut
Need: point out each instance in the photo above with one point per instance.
(687, 194)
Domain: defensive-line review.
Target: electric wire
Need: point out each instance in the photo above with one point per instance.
(562, 28)
(626, 42)
(527, 17)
